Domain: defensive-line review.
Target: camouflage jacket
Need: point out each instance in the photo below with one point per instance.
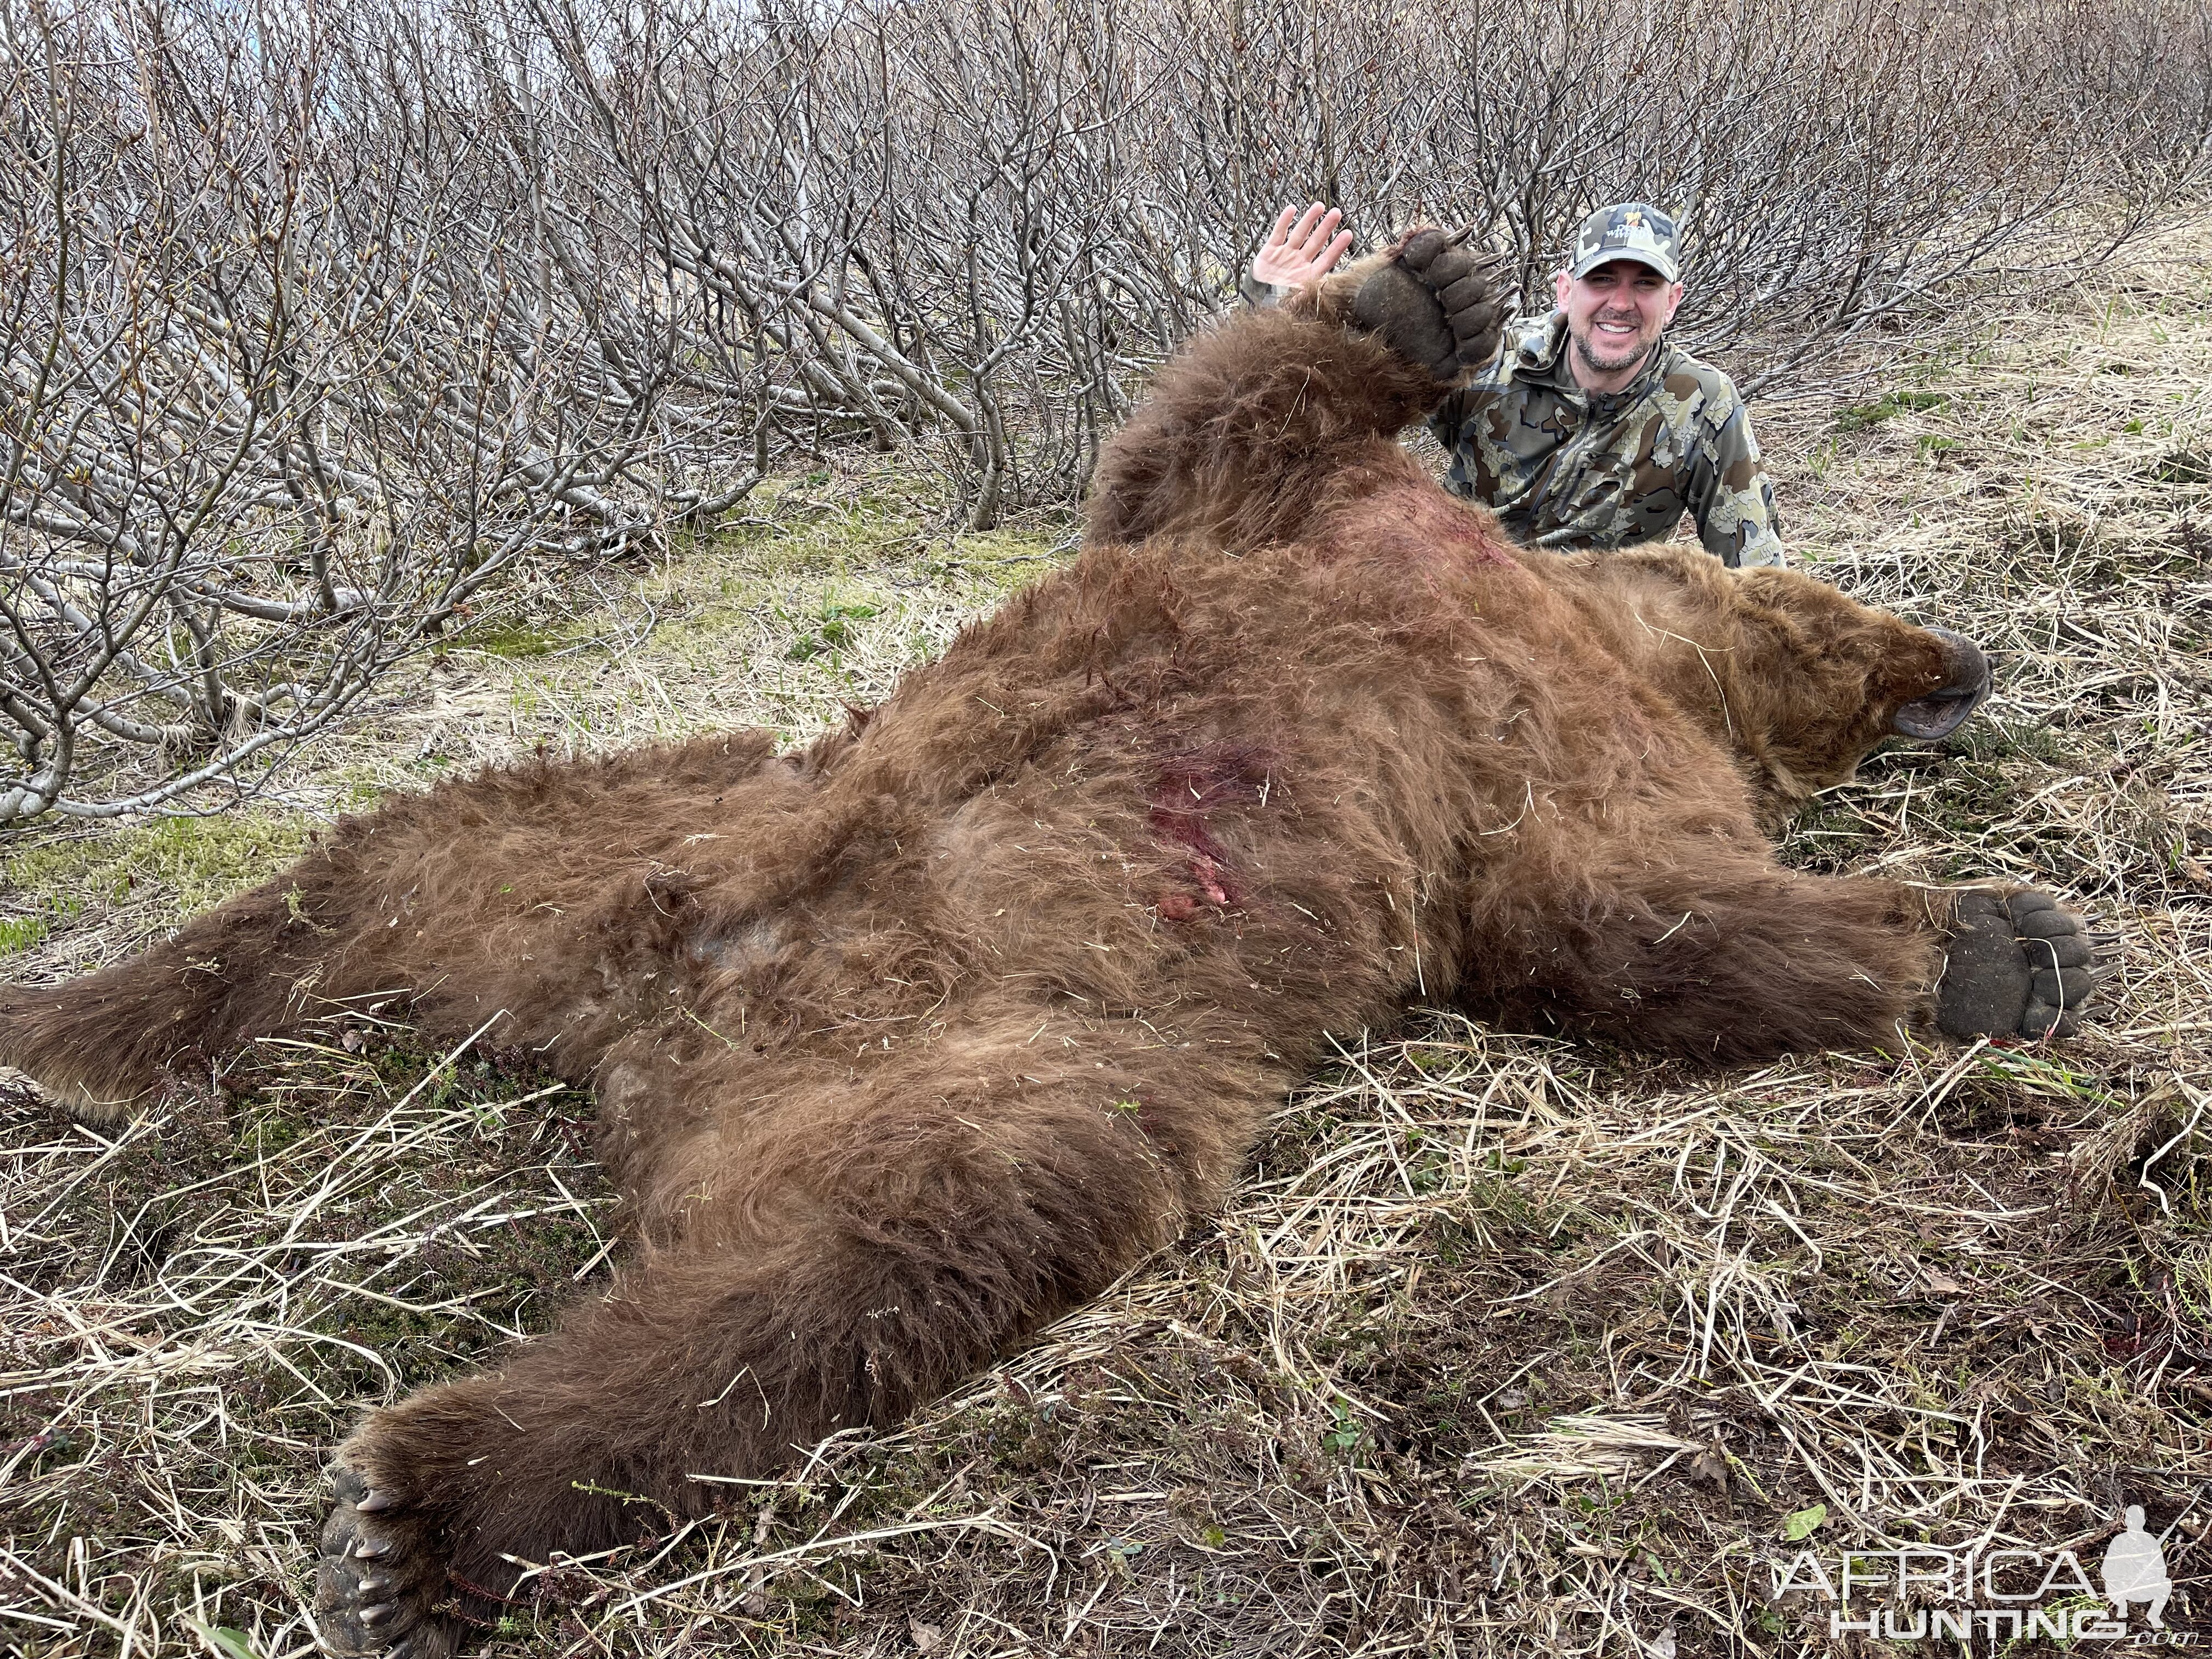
(1566, 469)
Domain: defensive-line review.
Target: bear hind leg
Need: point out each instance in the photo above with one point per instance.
(857, 1247)
(102, 1042)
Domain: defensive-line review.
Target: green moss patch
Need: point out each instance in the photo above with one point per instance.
(157, 872)
(1859, 416)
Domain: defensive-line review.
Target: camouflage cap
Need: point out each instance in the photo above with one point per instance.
(1628, 230)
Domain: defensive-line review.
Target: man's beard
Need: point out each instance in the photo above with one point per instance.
(1630, 355)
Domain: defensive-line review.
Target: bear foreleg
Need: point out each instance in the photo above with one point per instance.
(1731, 961)
(2016, 964)
(1255, 428)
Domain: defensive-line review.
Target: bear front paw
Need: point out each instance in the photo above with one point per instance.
(379, 1580)
(1434, 303)
(2016, 965)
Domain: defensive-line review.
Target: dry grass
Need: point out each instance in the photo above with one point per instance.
(1505, 1347)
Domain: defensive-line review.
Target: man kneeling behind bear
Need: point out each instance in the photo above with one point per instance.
(1590, 427)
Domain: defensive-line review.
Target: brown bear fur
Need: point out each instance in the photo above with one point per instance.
(910, 1043)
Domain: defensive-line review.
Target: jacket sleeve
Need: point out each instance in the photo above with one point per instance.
(1732, 496)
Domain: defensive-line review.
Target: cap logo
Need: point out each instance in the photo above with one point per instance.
(1631, 229)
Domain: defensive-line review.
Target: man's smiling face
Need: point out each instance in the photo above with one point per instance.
(1615, 314)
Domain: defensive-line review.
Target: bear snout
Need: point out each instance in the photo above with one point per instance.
(1966, 682)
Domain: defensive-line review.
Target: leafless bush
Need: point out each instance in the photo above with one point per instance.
(303, 349)
(317, 322)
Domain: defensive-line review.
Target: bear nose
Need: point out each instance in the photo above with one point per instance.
(1966, 682)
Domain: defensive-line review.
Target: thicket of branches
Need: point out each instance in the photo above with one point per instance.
(318, 318)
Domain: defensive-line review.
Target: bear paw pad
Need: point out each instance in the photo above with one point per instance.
(1436, 303)
(2017, 965)
(378, 1581)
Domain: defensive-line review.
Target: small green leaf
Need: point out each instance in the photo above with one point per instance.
(1804, 1523)
(229, 1642)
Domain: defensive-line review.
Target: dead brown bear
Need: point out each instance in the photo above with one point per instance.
(911, 1041)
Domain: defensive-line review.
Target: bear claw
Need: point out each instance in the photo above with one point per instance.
(378, 1583)
(2017, 965)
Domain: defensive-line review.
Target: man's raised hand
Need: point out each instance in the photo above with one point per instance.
(1303, 248)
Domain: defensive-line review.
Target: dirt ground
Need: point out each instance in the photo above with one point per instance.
(1506, 1346)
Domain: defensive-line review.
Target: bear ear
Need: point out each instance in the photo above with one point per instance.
(1939, 713)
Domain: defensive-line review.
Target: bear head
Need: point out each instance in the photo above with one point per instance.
(1796, 679)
